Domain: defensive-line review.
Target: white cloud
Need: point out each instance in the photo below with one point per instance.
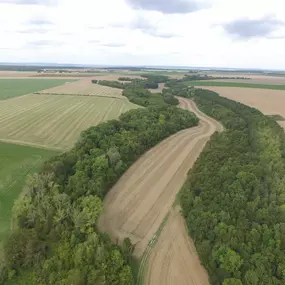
(142, 33)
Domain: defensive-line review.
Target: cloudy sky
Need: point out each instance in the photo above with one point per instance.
(220, 33)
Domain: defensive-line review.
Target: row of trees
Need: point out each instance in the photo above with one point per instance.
(55, 239)
(234, 197)
(137, 92)
(151, 81)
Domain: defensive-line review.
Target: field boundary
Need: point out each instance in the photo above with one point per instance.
(151, 245)
(24, 143)
(235, 84)
(87, 95)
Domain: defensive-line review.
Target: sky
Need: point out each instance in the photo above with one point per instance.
(205, 33)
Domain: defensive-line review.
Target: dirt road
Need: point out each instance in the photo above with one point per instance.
(137, 205)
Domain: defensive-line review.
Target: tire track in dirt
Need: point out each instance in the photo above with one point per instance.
(137, 205)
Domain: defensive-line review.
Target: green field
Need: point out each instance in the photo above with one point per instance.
(235, 84)
(10, 88)
(16, 162)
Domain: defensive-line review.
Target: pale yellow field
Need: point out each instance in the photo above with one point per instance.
(269, 102)
(55, 121)
(85, 87)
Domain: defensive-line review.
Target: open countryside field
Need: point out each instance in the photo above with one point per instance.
(85, 87)
(55, 121)
(269, 102)
(137, 205)
(174, 259)
(16, 162)
(235, 84)
(10, 88)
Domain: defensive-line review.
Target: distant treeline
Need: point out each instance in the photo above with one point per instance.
(234, 197)
(55, 239)
(151, 81)
(35, 67)
(136, 90)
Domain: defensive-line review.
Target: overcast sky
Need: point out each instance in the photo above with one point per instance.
(214, 33)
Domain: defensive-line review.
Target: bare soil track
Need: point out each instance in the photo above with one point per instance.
(137, 205)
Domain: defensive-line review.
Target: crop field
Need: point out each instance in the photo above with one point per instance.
(10, 88)
(55, 121)
(174, 259)
(139, 202)
(85, 87)
(16, 162)
(236, 84)
(270, 102)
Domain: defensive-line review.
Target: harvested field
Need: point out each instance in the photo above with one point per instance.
(55, 121)
(174, 259)
(85, 87)
(10, 88)
(137, 205)
(270, 102)
(16, 74)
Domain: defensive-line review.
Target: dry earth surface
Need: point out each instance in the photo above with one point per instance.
(269, 102)
(137, 205)
(174, 260)
(85, 87)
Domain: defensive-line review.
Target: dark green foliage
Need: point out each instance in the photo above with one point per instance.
(151, 82)
(276, 117)
(234, 198)
(55, 238)
(155, 78)
(114, 84)
(125, 79)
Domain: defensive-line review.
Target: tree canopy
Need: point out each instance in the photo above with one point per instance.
(234, 198)
(55, 239)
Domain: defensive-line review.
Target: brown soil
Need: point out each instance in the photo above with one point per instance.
(174, 259)
(136, 206)
(269, 102)
(16, 74)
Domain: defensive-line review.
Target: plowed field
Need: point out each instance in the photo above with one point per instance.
(137, 205)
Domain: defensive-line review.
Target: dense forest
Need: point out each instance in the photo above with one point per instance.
(136, 91)
(234, 197)
(54, 238)
(150, 81)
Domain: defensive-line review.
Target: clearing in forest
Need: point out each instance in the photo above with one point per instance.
(16, 162)
(10, 88)
(85, 87)
(139, 202)
(55, 121)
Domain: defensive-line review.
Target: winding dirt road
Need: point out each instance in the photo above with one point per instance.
(137, 205)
